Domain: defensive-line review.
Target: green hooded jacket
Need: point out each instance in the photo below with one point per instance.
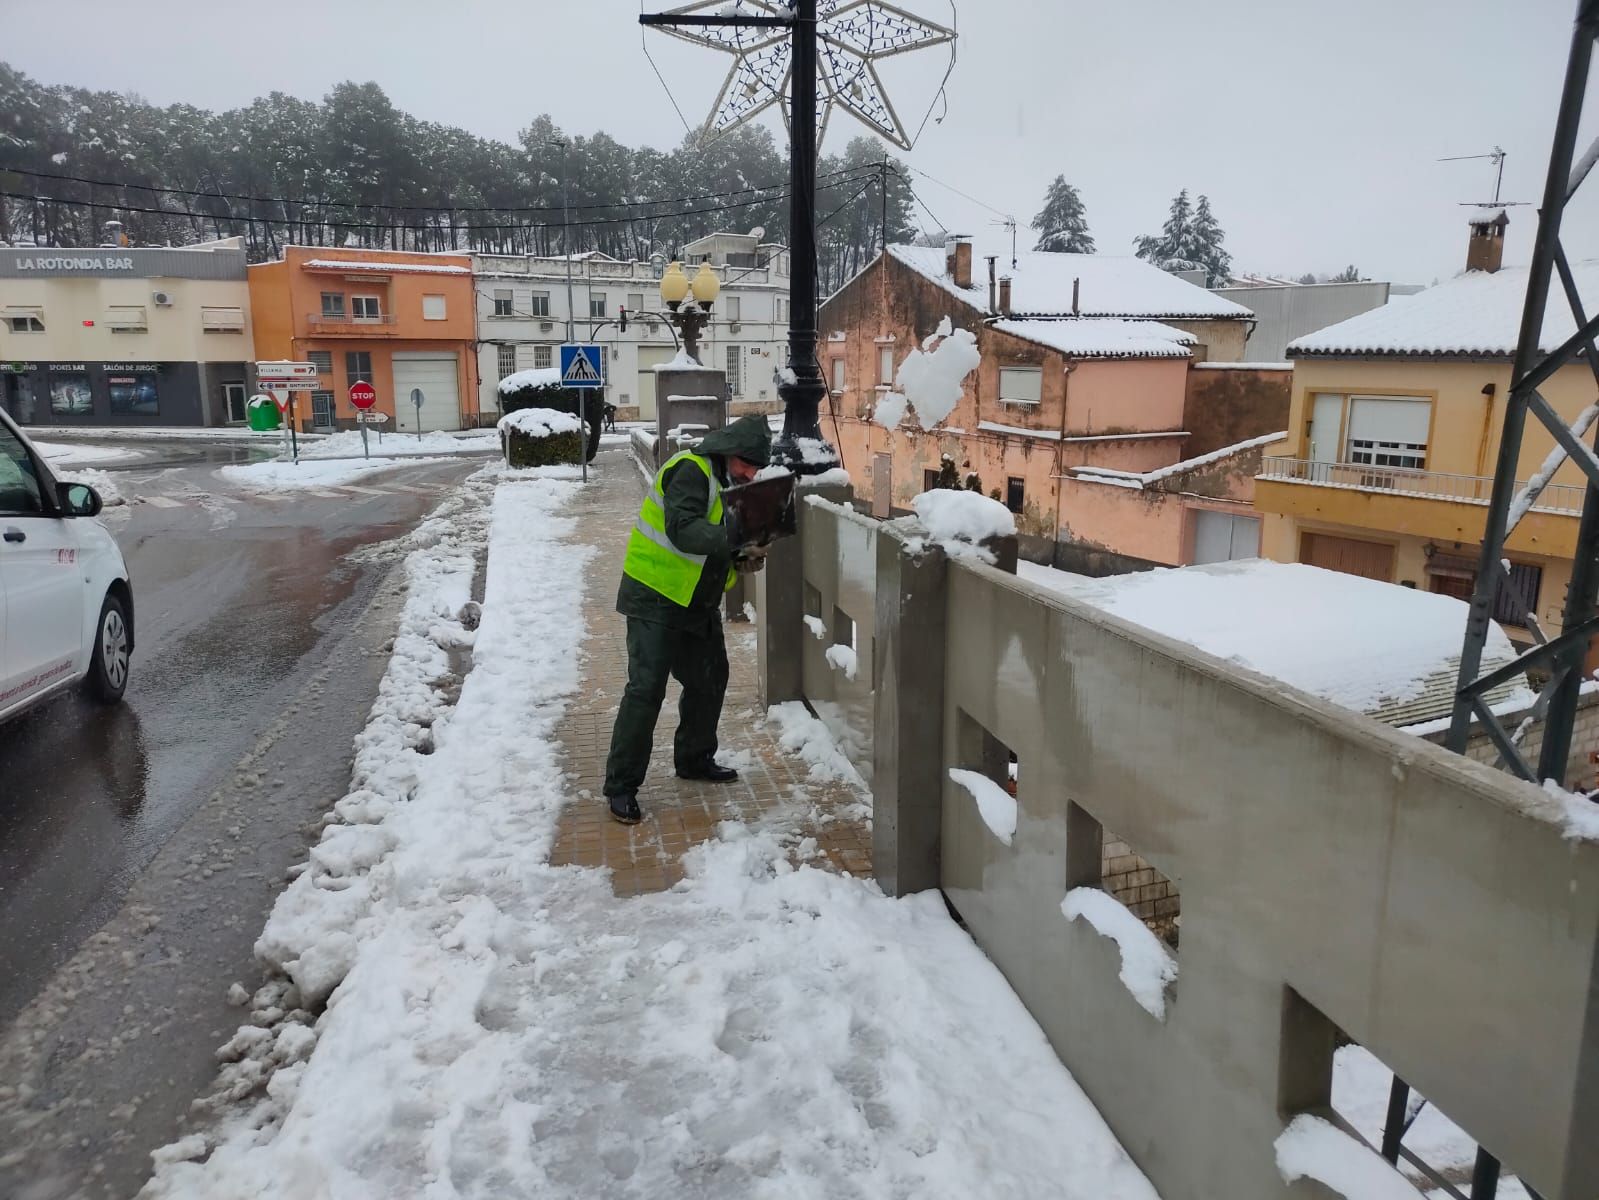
(688, 499)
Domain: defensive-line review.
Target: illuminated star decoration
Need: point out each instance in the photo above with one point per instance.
(851, 34)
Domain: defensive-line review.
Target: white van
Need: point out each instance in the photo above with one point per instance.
(66, 603)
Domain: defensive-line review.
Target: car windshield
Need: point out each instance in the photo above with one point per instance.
(19, 484)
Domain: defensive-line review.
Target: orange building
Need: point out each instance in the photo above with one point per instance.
(404, 323)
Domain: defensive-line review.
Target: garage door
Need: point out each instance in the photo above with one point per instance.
(1223, 537)
(1371, 560)
(436, 375)
(650, 357)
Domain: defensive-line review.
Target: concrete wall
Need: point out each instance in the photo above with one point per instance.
(1226, 405)
(1335, 875)
(1285, 313)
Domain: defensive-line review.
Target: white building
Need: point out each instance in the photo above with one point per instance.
(522, 319)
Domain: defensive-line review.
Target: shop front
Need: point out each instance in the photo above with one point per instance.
(102, 393)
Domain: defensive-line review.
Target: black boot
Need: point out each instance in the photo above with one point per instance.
(709, 770)
(624, 808)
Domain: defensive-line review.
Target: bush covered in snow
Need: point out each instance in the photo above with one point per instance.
(542, 389)
(540, 437)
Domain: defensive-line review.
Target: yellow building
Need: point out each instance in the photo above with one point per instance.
(1394, 434)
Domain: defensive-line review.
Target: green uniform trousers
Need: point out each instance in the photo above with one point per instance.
(697, 659)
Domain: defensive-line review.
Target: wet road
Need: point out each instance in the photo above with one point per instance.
(141, 846)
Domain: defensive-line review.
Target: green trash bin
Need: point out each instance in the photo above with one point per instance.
(263, 416)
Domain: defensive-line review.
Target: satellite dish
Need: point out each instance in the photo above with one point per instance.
(758, 232)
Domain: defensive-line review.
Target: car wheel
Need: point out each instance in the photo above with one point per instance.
(108, 667)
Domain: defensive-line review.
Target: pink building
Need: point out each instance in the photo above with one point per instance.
(1095, 415)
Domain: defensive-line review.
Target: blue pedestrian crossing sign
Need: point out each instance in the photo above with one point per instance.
(582, 366)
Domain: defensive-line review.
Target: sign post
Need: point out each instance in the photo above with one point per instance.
(417, 398)
(363, 395)
(583, 370)
(283, 378)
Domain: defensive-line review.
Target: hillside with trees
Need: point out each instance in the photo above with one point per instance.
(353, 170)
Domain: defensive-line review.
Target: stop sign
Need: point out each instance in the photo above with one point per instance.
(363, 395)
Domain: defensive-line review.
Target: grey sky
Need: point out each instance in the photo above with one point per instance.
(1313, 126)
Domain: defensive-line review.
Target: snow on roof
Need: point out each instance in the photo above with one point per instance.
(377, 267)
(1374, 647)
(537, 377)
(1103, 337)
(1476, 314)
(1041, 284)
(1244, 366)
(1486, 214)
(1140, 480)
(1049, 435)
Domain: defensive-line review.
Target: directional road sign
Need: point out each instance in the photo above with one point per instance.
(272, 372)
(582, 366)
(363, 395)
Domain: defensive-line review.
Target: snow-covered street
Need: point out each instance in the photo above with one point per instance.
(499, 1026)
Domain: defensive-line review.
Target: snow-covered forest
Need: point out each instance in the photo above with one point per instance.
(355, 170)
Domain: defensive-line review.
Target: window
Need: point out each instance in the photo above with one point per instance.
(734, 307)
(69, 393)
(597, 304)
(1223, 537)
(1456, 575)
(635, 302)
(19, 481)
(333, 304)
(1021, 385)
(502, 302)
(134, 394)
(782, 309)
(1388, 432)
(507, 361)
(539, 304)
(1015, 494)
(433, 308)
(26, 323)
(365, 308)
(126, 318)
(885, 364)
(929, 480)
(357, 366)
(222, 319)
(838, 375)
(322, 360)
(735, 370)
(543, 358)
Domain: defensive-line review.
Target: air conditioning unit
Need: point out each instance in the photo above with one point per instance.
(546, 326)
(734, 327)
(162, 299)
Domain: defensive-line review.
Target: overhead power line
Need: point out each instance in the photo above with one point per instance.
(758, 192)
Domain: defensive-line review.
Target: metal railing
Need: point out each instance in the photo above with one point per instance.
(1405, 481)
(381, 322)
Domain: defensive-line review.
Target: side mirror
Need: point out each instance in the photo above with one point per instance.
(78, 500)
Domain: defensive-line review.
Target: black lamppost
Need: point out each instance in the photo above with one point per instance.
(772, 40)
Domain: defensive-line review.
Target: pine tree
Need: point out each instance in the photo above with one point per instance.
(1350, 274)
(1205, 245)
(1063, 224)
(1169, 250)
(1307, 277)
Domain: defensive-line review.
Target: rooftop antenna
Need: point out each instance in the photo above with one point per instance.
(1498, 160)
(1010, 224)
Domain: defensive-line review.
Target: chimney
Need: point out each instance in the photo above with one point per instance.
(958, 260)
(1077, 292)
(991, 260)
(1004, 295)
(1486, 250)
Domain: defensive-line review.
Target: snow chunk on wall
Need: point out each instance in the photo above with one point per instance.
(803, 735)
(890, 410)
(540, 422)
(948, 515)
(930, 378)
(1147, 966)
(817, 626)
(842, 658)
(994, 803)
(1313, 1148)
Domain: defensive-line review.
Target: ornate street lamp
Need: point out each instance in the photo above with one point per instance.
(808, 56)
(690, 316)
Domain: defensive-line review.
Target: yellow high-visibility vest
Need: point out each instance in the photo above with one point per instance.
(652, 559)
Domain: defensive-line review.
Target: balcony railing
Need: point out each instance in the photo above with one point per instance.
(1426, 485)
(328, 323)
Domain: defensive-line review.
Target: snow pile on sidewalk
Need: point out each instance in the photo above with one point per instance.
(307, 473)
(503, 1028)
(402, 445)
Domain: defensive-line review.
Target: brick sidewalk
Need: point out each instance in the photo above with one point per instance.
(772, 788)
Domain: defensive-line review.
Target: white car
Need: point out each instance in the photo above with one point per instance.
(66, 603)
